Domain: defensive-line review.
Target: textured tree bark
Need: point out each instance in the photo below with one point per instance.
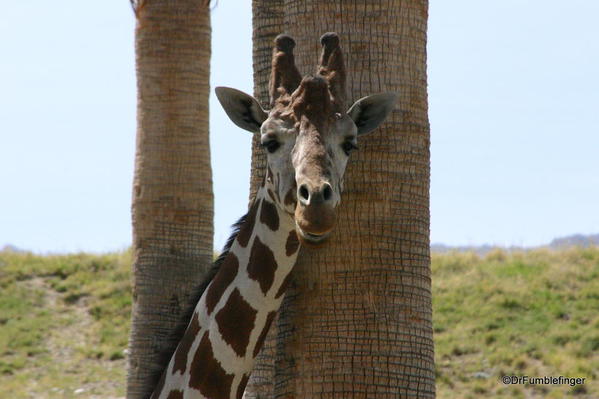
(357, 322)
(172, 190)
(267, 20)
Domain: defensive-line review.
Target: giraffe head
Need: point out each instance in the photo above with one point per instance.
(308, 133)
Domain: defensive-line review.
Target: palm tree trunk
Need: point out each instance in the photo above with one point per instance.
(357, 322)
(267, 19)
(172, 189)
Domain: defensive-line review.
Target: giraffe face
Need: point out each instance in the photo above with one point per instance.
(308, 134)
(307, 156)
(308, 145)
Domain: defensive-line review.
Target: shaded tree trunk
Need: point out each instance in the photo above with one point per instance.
(357, 321)
(172, 189)
(267, 20)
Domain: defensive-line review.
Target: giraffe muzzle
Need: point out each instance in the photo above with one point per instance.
(314, 222)
(311, 239)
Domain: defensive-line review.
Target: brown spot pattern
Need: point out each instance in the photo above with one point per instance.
(245, 232)
(292, 244)
(289, 198)
(262, 265)
(236, 322)
(207, 375)
(269, 215)
(242, 384)
(175, 394)
(224, 278)
(269, 318)
(182, 351)
(283, 286)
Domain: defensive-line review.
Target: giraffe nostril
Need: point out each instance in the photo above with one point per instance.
(327, 193)
(304, 194)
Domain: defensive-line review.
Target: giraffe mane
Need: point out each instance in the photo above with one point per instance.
(177, 334)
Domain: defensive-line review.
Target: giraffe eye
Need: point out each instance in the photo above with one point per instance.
(271, 145)
(348, 147)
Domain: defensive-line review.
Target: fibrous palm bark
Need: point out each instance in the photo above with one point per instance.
(357, 322)
(172, 189)
(267, 20)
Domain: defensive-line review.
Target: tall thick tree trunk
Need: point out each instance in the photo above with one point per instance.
(172, 189)
(357, 322)
(267, 19)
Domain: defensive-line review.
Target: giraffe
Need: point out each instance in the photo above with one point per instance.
(308, 137)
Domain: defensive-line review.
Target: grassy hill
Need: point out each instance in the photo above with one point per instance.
(531, 313)
(64, 323)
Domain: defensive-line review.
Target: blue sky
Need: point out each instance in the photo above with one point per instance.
(514, 103)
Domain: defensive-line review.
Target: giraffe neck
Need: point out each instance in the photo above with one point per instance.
(215, 356)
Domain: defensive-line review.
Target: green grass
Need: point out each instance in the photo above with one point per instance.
(64, 323)
(533, 313)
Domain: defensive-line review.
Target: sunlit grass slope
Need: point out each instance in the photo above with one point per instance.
(532, 313)
(64, 323)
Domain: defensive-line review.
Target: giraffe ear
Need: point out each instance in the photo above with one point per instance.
(369, 112)
(243, 109)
